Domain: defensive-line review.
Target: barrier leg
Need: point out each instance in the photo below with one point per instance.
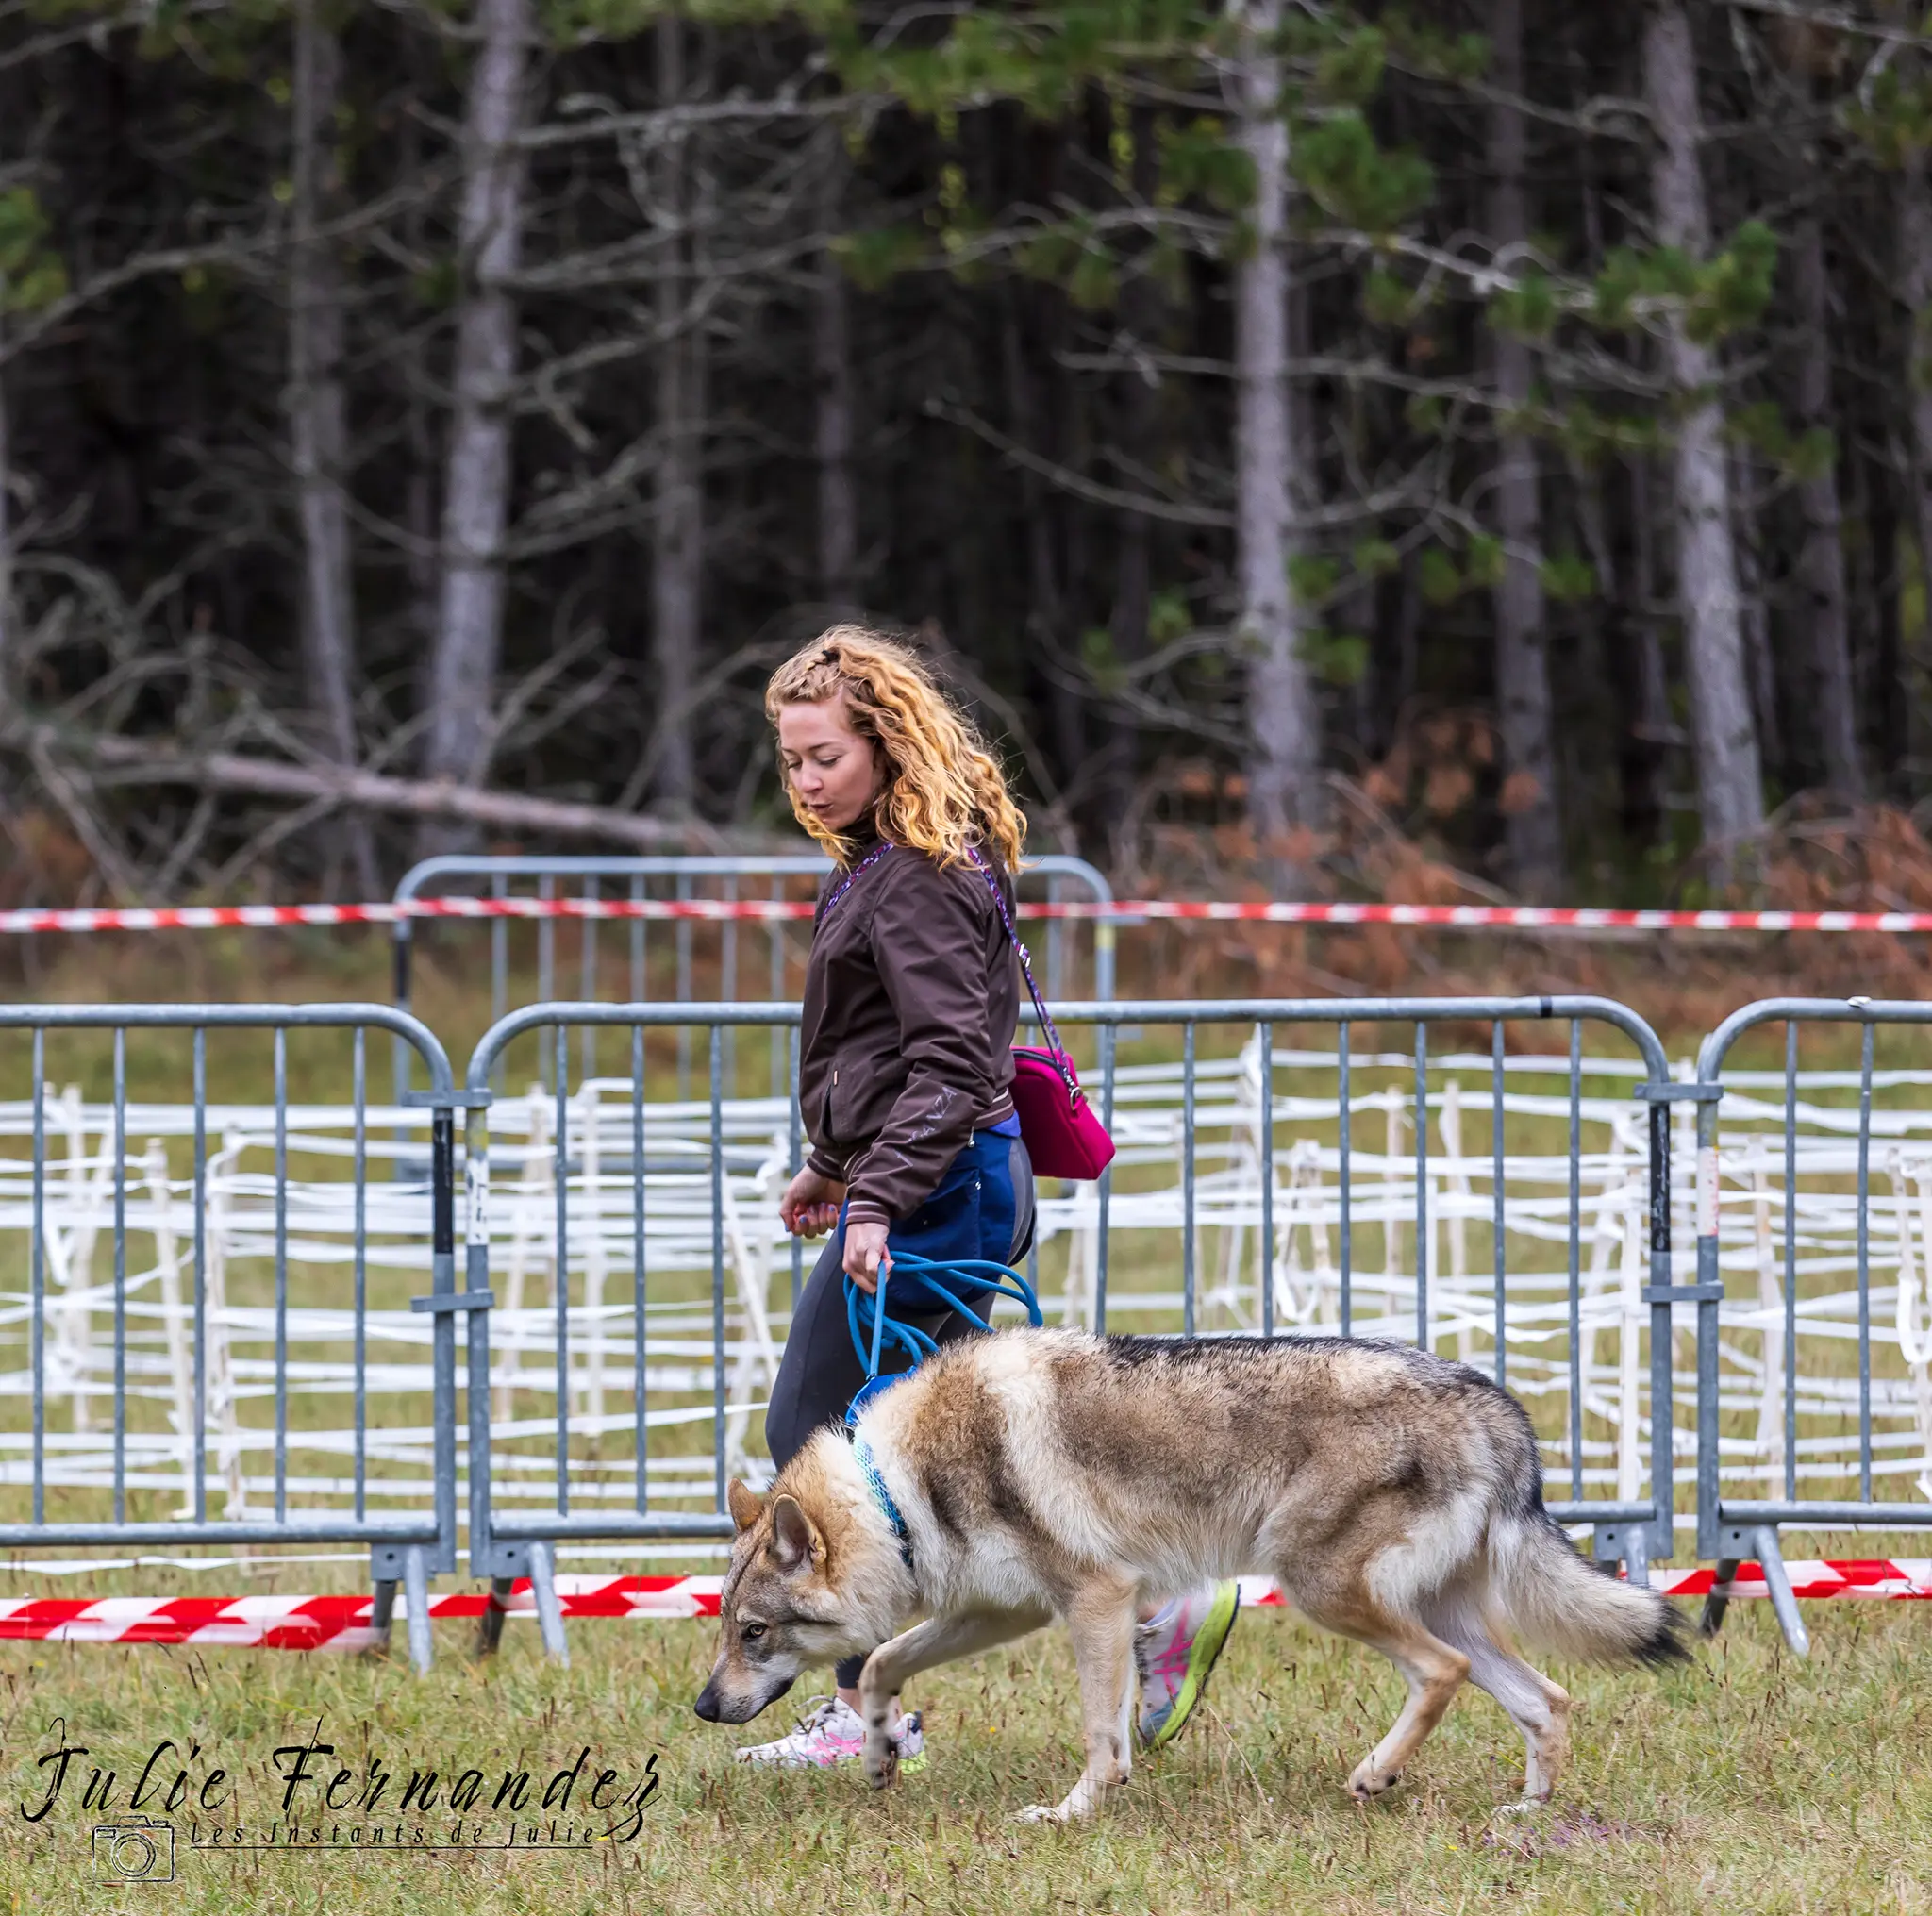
(1711, 1621)
(416, 1588)
(1777, 1580)
(380, 1616)
(549, 1611)
(1624, 1544)
(490, 1626)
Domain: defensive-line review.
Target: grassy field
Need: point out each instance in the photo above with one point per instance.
(1744, 1781)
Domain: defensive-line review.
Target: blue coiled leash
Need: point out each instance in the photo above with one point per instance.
(926, 1286)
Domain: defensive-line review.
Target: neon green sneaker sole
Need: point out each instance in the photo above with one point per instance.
(1210, 1641)
(912, 1765)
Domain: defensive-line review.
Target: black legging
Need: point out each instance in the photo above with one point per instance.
(820, 1373)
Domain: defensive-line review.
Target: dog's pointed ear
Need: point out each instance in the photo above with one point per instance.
(744, 1503)
(795, 1540)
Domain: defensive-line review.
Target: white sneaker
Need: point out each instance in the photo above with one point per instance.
(834, 1733)
(1174, 1653)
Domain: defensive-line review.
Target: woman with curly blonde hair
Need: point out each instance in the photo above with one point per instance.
(912, 997)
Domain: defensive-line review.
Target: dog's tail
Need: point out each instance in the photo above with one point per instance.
(1549, 1596)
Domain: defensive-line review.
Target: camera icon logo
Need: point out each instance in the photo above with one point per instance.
(139, 1850)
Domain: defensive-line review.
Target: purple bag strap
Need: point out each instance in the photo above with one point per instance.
(850, 878)
(1053, 1035)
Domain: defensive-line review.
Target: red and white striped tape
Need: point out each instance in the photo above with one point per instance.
(1481, 917)
(325, 1623)
(342, 1622)
(1133, 911)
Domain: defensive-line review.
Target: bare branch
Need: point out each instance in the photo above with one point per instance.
(162, 764)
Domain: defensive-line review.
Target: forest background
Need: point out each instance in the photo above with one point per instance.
(1471, 449)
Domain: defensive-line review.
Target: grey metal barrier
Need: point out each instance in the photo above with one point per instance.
(1824, 1228)
(1223, 1122)
(459, 873)
(272, 1258)
(504, 1544)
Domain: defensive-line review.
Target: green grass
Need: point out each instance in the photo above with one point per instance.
(1744, 1781)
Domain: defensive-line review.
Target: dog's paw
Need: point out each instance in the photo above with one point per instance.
(1370, 1781)
(1081, 1801)
(1043, 1812)
(881, 1761)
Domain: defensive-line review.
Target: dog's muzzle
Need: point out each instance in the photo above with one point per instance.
(714, 1708)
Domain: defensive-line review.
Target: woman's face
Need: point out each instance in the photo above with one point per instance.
(834, 772)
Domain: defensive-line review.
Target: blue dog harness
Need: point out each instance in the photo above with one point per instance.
(926, 1280)
(869, 1469)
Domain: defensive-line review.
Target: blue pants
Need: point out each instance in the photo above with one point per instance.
(983, 1207)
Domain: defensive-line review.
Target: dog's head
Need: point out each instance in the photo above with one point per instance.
(779, 1611)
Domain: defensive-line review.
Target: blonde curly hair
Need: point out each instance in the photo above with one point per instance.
(943, 789)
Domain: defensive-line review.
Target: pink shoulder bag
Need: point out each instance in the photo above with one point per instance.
(1063, 1136)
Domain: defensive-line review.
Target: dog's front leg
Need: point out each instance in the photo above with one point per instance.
(1101, 1622)
(939, 1640)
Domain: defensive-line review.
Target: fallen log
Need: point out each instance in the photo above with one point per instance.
(135, 761)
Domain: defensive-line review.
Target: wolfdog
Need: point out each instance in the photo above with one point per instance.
(1010, 1481)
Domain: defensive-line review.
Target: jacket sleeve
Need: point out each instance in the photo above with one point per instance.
(928, 942)
(826, 1163)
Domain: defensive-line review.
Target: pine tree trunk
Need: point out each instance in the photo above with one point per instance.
(677, 556)
(1888, 701)
(1821, 563)
(1284, 775)
(1523, 669)
(1754, 615)
(1133, 598)
(420, 436)
(833, 430)
(1730, 795)
(7, 659)
(1915, 283)
(1067, 409)
(1647, 795)
(477, 480)
(1040, 516)
(1138, 416)
(318, 428)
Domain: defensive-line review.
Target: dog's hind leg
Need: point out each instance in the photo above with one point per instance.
(1433, 1670)
(1538, 1707)
(939, 1640)
(1100, 1620)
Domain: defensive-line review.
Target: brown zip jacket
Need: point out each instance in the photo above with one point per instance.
(912, 997)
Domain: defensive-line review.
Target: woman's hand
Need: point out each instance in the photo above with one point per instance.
(810, 1205)
(865, 1251)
